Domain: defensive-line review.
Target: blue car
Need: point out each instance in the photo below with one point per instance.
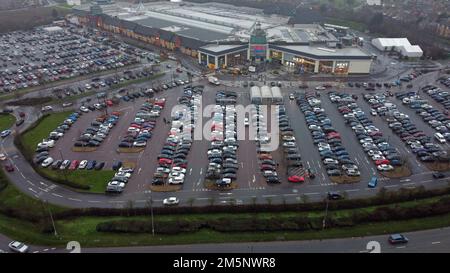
(91, 164)
(373, 182)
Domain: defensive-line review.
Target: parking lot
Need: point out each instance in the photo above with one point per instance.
(38, 57)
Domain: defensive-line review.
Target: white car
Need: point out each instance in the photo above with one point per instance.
(289, 138)
(2, 157)
(177, 175)
(47, 162)
(82, 164)
(18, 247)
(330, 161)
(47, 108)
(117, 183)
(179, 169)
(84, 109)
(176, 180)
(124, 174)
(171, 201)
(246, 123)
(385, 167)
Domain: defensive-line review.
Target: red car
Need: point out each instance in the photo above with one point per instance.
(296, 179)
(9, 168)
(382, 161)
(74, 165)
(179, 70)
(266, 167)
(115, 113)
(265, 156)
(21, 114)
(165, 161)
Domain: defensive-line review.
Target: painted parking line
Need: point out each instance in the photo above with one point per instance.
(74, 199)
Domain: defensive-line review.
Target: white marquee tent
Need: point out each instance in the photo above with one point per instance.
(401, 45)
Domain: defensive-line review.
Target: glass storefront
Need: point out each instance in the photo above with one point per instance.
(342, 67)
(238, 58)
(326, 67)
(203, 59)
(304, 65)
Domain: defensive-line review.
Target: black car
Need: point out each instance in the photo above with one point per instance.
(272, 179)
(438, 175)
(20, 122)
(334, 196)
(99, 166)
(116, 165)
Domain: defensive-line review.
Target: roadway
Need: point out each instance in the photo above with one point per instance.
(425, 241)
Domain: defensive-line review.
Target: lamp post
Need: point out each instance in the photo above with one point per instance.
(151, 211)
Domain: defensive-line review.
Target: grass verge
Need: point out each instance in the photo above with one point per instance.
(6, 121)
(95, 180)
(32, 137)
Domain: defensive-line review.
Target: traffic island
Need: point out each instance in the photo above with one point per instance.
(165, 188)
(398, 172)
(344, 179)
(438, 166)
(212, 185)
(83, 149)
(130, 150)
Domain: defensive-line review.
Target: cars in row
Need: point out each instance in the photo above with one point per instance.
(417, 140)
(437, 120)
(370, 137)
(98, 131)
(222, 153)
(119, 181)
(66, 164)
(45, 145)
(267, 164)
(140, 129)
(172, 160)
(335, 158)
(34, 57)
(439, 95)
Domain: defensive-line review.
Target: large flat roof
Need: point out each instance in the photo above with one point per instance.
(215, 21)
(318, 52)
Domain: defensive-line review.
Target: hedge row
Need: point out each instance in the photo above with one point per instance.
(383, 198)
(278, 223)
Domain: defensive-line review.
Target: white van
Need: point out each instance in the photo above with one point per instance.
(439, 137)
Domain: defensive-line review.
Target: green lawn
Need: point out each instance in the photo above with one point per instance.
(96, 180)
(47, 124)
(6, 121)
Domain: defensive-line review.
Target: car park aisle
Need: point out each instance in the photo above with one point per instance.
(305, 144)
(349, 140)
(393, 138)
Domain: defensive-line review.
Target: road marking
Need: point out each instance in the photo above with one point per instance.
(353, 190)
(405, 180)
(409, 184)
(391, 186)
(357, 162)
(190, 171)
(46, 249)
(30, 189)
(57, 195)
(312, 193)
(74, 199)
(435, 243)
(270, 195)
(201, 171)
(93, 201)
(401, 247)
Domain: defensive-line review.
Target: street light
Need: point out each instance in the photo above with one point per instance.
(151, 212)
